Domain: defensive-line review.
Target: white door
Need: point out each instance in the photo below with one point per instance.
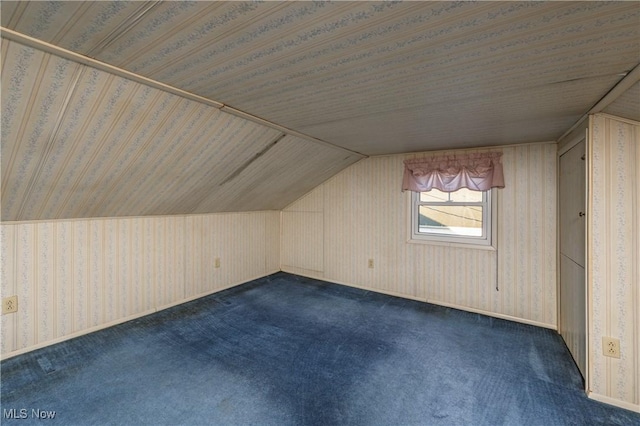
(572, 321)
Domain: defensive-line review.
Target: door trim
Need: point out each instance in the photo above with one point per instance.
(577, 139)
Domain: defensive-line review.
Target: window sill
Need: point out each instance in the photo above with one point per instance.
(452, 244)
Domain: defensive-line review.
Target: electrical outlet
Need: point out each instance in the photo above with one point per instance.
(611, 347)
(9, 305)
(370, 263)
(216, 262)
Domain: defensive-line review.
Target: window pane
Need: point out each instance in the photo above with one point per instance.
(451, 220)
(466, 196)
(434, 195)
(462, 195)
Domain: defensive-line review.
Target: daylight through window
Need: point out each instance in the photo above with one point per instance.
(463, 216)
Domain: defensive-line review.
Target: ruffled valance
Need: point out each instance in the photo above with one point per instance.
(448, 173)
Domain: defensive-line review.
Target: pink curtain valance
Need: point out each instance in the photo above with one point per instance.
(448, 173)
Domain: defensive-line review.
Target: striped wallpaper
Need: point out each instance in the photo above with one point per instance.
(75, 276)
(614, 259)
(377, 77)
(361, 214)
(75, 138)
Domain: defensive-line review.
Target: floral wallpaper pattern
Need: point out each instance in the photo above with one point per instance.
(362, 214)
(74, 276)
(78, 142)
(614, 254)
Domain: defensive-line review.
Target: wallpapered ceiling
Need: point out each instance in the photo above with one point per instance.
(371, 77)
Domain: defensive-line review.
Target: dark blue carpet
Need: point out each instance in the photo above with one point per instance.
(286, 350)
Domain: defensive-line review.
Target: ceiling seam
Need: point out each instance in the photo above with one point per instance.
(290, 132)
(632, 77)
(102, 66)
(628, 80)
(252, 159)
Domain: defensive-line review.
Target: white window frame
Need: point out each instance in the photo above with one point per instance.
(486, 241)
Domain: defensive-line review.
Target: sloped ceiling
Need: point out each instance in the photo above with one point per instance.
(194, 107)
(627, 105)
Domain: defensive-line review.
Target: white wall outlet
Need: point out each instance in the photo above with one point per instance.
(216, 262)
(370, 263)
(9, 305)
(611, 347)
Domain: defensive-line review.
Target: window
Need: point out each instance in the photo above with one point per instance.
(462, 217)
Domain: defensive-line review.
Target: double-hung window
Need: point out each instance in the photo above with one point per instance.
(462, 217)
(452, 197)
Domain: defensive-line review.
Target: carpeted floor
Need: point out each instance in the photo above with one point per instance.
(286, 350)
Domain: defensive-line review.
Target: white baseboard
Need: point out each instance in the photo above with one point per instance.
(615, 402)
(125, 319)
(76, 334)
(375, 290)
(309, 273)
(298, 271)
(495, 315)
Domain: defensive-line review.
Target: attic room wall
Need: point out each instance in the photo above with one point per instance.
(82, 142)
(614, 259)
(76, 276)
(361, 214)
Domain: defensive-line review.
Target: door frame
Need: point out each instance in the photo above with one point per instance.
(575, 139)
